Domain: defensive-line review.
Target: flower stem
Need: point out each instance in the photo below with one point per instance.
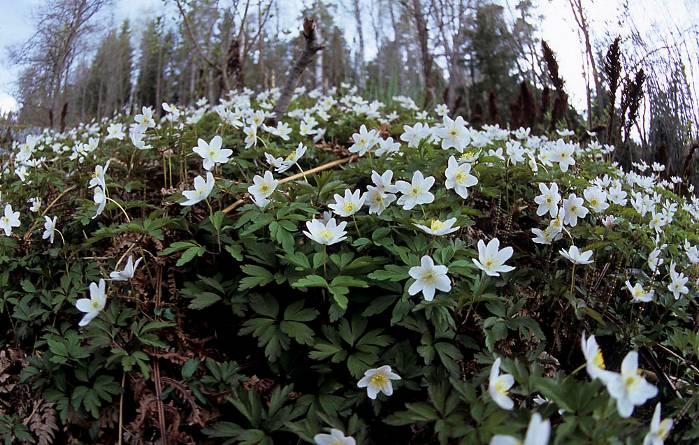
(120, 208)
(356, 227)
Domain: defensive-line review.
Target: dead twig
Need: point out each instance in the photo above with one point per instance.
(310, 172)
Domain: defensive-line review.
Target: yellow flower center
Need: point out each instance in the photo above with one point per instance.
(436, 225)
(427, 277)
(488, 263)
(325, 234)
(453, 132)
(290, 156)
(460, 177)
(264, 188)
(95, 304)
(378, 379)
(348, 207)
(414, 191)
(598, 360)
(500, 387)
(5, 220)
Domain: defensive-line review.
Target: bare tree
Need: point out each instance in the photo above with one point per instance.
(414, 8)
(237, 39)
(576, 7)
(61, 27)
(311, 47)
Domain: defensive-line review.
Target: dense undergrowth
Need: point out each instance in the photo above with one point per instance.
(264, 309)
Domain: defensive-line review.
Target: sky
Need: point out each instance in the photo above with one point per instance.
(557, 28)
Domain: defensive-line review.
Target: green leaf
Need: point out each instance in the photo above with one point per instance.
(347, 281)
(189, 254)
(310, 281)
(390, 272)
(257, 276)
(203, 300)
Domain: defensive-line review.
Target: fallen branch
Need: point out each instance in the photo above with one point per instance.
(311, 48)
(310, 172)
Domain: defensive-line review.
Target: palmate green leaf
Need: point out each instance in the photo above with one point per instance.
(310, 281)
(203, 300)
(390, 272)
(189, 254)
(269, 335)
(236, 251)
(257, 276)
(223, 430)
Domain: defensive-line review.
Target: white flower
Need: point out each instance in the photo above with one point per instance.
(92, 306)
(250, 136)
(98, 178)
(629, 388)
(49, 228)
(35, 204)
(100, 198)
(429, 278)
(454, 133)
(145, 119)
(459, 177)
(659, 430)
(282, 130)
(383, 181)
(574, 209)
(617, 195)
(538, 432)
(597, 198)
(386, 147)
(515, 152)
(548, 200)
(441, 110)
(283, 164)
(563, 154)
(499, 386)
(491, 259)
(349, 204)
(364, 141)
(638, 294)
(594, 359)
(336, 437)
(657, 221)
(576, 256)
(212, 153)
(326, 233)
(128, 272)
(677, 283)
(9, 220)
(654, 260)
(377, 200)
(202, 190)
(115, 131)
(413, 135)
(609, 221)
(136, 134)
(417, 192)
(378, 380)
(439, 228)
(692, 254)
(263, 187)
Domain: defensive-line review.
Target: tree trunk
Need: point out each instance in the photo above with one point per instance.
(310, 49)
(423, 40)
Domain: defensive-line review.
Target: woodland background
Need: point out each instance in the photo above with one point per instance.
(482, 58)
